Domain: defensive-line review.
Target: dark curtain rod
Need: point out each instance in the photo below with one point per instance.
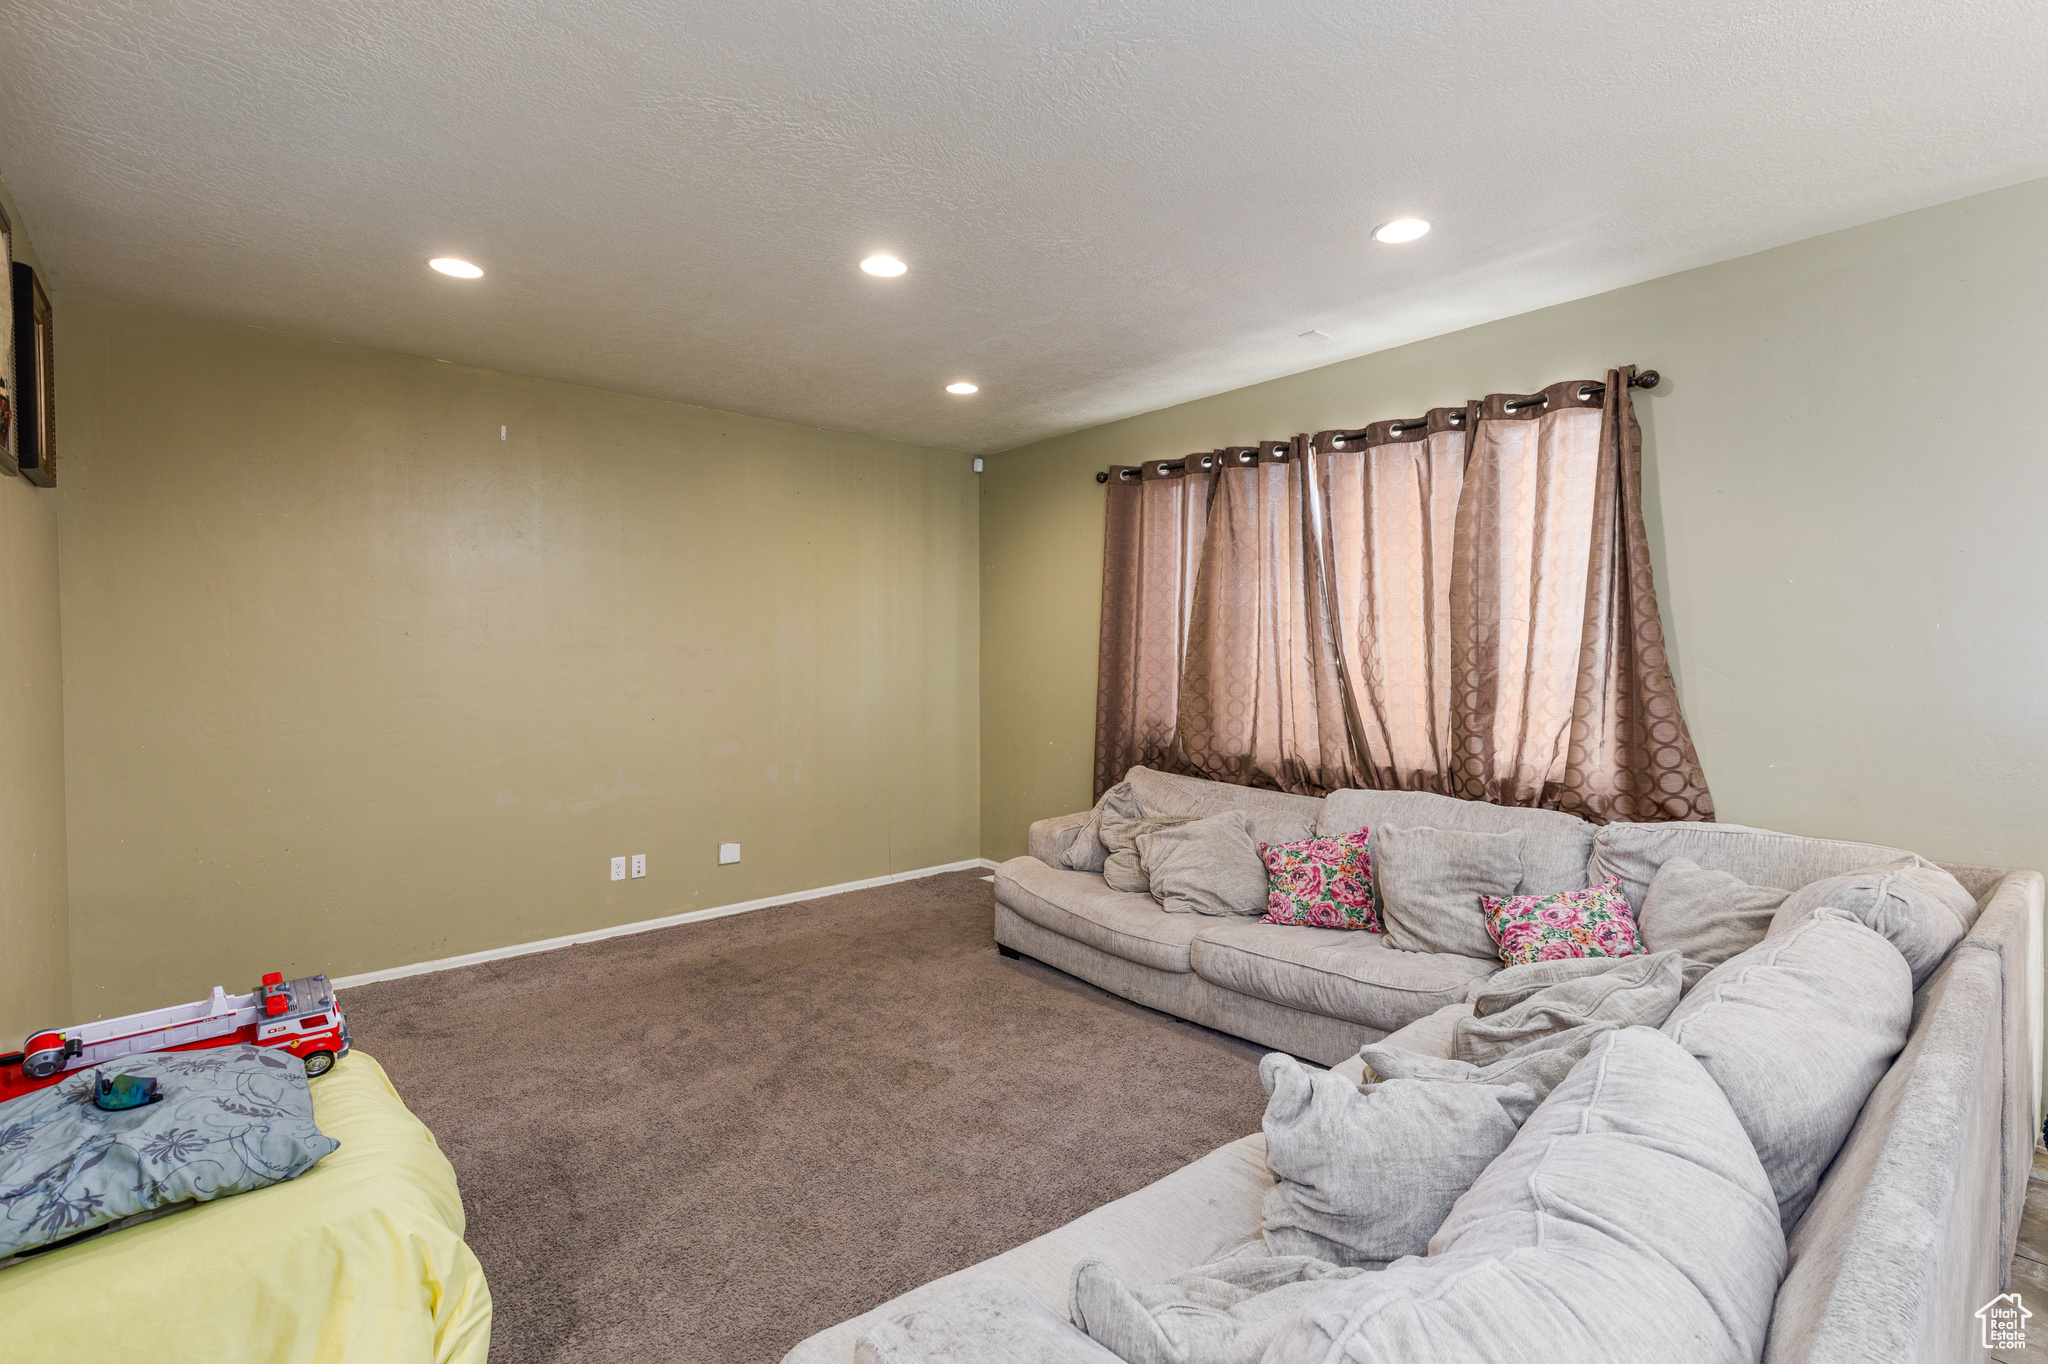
(1648, 378)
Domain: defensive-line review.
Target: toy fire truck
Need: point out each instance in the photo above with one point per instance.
(302, 1016)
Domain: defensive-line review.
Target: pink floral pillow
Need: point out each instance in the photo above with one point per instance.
(1323, 883)
(1594, 922)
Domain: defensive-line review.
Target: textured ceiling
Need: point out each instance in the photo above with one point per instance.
(1106, 208)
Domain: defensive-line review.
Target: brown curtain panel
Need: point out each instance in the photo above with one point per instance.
(1459, 603)
(1630, 757)
(1390, 508)
(1561, 693)
(1157, 518)
(1260, 699)
(1518, 597)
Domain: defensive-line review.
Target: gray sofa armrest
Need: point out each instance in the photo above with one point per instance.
(1050, 838)
(990, 1319)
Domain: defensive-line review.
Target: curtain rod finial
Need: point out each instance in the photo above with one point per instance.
(1102, 476)
(1647, 379)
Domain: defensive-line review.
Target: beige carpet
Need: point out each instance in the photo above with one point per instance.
(705, 1143)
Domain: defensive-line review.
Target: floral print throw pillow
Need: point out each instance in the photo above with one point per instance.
(231, 1119)
(1594, 922)
(1321, 883)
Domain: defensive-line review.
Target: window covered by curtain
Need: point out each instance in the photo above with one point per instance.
(1460, 603)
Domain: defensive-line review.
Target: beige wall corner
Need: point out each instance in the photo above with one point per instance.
(35, 955)
(354, 682)
(1844, 477)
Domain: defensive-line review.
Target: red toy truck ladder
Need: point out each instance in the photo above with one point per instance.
(302, 1016)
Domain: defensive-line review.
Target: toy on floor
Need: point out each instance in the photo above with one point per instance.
(302, 1016)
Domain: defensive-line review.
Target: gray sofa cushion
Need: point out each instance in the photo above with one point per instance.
(1539, 1065)
(1920, 909)
(1531, 1025)
(1120, 821)
(1084, 850)
(1267, 825)
(1052, 841)
(988, 1319)
(1430, 881)
(1148, 802)
(1631, 853)
(1079, 905)
(1430, 1035)
(1167, 793)
(1543, 998)
(1123, 871)
(1366, 1176)
(1553, 856)
(1338, 973)
(1205, 866)
(1797, 1031)
(1222, 1313)
(1629, 1220)
(1909, 1217)
(1708, 916)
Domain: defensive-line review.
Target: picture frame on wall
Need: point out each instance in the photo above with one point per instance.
(8, 464)
(35, 383)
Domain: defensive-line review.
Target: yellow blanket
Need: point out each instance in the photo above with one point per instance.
(358, 1261)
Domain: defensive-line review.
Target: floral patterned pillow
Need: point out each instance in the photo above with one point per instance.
(1594, 922)
(231, 1119)
(1321, 882)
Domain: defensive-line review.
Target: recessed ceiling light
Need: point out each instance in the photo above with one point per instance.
(1400, 230)
(962, 388)
(886, 266)
(461, 269)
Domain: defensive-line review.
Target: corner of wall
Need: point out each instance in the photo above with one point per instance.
(35, 967)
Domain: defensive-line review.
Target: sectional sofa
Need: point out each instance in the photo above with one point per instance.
(1913, 1224)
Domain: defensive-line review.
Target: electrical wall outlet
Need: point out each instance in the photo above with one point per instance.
(618, 869)
(639, 864)
(728, 853)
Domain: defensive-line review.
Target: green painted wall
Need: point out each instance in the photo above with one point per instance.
(350, 682)
(1845, 476)
(35, 952)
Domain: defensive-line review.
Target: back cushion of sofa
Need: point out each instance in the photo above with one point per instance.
(1797, 1031)
(1554, 855)
(1629, 1220)
(1921, 910)
(1366, 1176)
(1165, 793)
(1631, 853)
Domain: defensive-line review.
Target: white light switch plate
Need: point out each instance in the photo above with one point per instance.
(639, 864)
(618, 869)
(728, 853)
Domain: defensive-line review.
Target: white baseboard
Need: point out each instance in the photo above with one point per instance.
(421, 968)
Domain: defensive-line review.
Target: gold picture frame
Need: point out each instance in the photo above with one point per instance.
(7, 458)
(35, 383)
